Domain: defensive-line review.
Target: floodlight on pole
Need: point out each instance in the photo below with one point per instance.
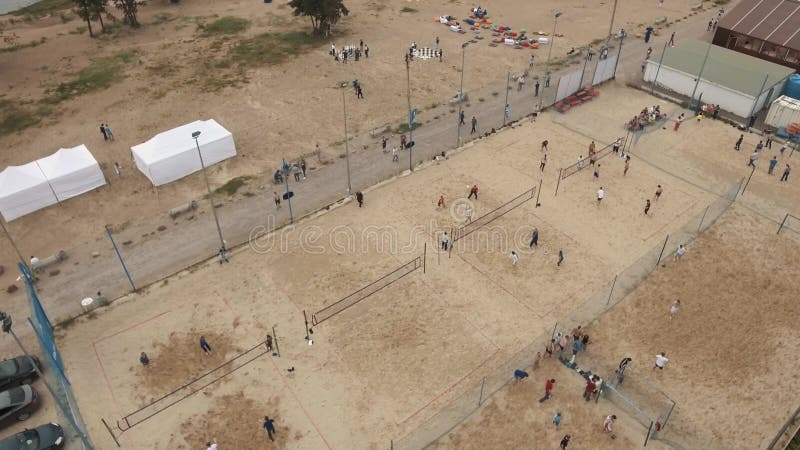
(196, 137)
(550, 51)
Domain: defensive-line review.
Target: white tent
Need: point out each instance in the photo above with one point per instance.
(172, 155)
(66, 173)
(71, 172)
(23, 190)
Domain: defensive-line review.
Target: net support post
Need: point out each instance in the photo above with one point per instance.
(782, 223)
(480, 397)
(699, 227)
(647, 437)
(108, 428)
(662, 250)
(558, 183)
(424, 256)
(611, 292)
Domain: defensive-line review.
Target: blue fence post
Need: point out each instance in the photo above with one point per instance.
(121, 261)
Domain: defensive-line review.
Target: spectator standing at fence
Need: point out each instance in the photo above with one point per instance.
(269, 426)
(563, 342)
(783, 147)
(360, 198)
(577, 333)
(445, 241)
(514, 258)
(548, 389)
(772, 163)
(679, 252)
(440, 202)
(646, 206)
(223, 255)
(543, 162)
(534, 237)
(473, 191)
(661, 361)
(204, 345)
(674, 309)
(615, 146)
(627, 165)
(738, 145)
(557, 420)
(560, 258)
(564, 442)
(601, 194)
(786, 171)
(589, 389)
(576, 347)
(144, 359)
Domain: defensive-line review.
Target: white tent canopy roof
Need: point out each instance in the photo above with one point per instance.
(172, 155)
(39, 184)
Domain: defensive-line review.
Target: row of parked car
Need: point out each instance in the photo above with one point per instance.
(18, 400)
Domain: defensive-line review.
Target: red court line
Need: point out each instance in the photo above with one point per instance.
(305, 411)
(130, 327)
(105, 377)
(449, 388)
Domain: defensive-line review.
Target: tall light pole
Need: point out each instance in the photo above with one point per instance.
(611, 25)
(699, 75)
(346, 143)
(550, 51)
(410, 117)
(196, 136)
(461, 92)
(658, 69)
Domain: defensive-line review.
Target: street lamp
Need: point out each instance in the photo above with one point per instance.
(550, 51)
(410, 117)
(346, 143)
(461, 92)
(196, 136)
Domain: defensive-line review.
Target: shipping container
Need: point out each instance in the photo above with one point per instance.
(784, 110)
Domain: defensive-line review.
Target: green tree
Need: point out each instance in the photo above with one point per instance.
(129, 9)
(323, 13)
(99, 8)
(85, 10)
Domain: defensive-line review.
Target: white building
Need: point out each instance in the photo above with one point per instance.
(739, 83)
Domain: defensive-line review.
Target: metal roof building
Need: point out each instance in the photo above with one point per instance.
(767, 29)
(739, 83)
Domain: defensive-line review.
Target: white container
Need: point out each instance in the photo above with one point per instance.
(87, 304)
(544, 40)
(784, 110)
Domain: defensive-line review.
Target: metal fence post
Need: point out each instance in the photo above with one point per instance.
(662, 251)
(119, 256)
(703, 218)
(275, 338)
(610, 293)
(538, 192)
(480, 398)
(649, 430)
(558, 182)
(506, 108)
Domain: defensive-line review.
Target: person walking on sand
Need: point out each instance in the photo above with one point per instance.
(609, 423)
(738, 145)
(461, 116)
(536, 89)
(468, 214)
(542, 162)
(772, 163)
(144, 359)
(597, 172)
(557, 420)
(659, 190)
(109, 133)
(514, 258)
(360, 199)
(661, 361)
(679, 252)
(620, 372)
(277, 199)
(627, 165)
(534, 238)
(564, 442)
(204, 345)
(303, 167)
(445, 241)
(395, 157)
(560, 258)
(601, 194)
(544, 145)
(548, 389)
(440, 202)
(536, 360)
(676, 306)
(403, 141)
(117, 169)
(269, 425)
(520, 82)
(384, 141)
(474, 125)
(473, 191)
(103, 131)
(646, 206)
(785, 176)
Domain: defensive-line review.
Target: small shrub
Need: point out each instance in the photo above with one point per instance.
(408, 9)
(225, 25)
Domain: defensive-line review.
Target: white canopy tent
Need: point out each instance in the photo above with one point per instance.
(172, 155)
(67, 173)
(71, 172)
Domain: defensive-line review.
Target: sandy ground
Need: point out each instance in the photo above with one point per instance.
(436, 333)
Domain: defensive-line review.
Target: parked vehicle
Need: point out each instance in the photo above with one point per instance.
(18, 371)
(46, 437)
(18, 403)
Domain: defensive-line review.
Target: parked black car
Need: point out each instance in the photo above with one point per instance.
(18, 403)
(18, 371)
(46, 437)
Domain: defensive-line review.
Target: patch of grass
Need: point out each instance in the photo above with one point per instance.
(15, 118)
(408, 9)
(44, 7)
(100, 74)
(271, 48)
(596, 41)
(232, 185)
(403, 127)
(225, 25)
(17, 47)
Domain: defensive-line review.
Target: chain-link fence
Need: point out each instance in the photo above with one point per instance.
(53, 368)
(647, 404)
